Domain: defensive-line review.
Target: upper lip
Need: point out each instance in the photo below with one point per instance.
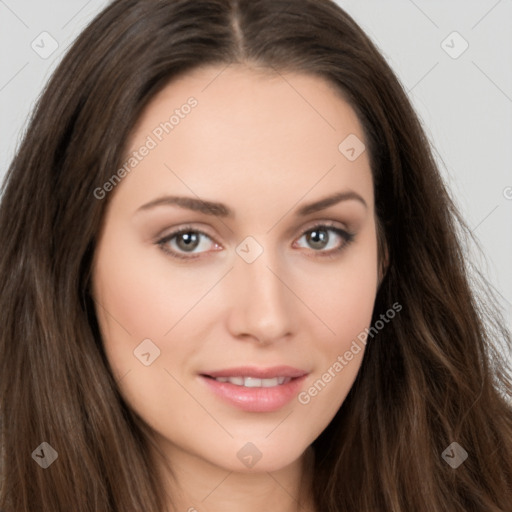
(258, 373)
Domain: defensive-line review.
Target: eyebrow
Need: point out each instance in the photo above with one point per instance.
(221, 210)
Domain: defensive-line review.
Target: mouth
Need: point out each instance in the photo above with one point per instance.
(256, 389)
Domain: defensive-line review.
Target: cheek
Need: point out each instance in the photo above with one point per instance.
(138, 308)
(344, 302)
(342, 293)
(339, 353)
(136, 285)
(142, 297)
(132, 304)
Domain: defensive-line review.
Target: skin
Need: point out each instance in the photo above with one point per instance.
(264, 144)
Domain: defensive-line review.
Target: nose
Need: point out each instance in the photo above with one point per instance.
(260, 303)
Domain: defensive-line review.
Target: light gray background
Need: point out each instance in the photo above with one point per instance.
(465, 103)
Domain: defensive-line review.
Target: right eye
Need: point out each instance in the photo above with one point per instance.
(186, 241)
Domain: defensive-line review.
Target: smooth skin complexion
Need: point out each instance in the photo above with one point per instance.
(264, 145)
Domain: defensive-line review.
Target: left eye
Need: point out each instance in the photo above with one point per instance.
(326, 238)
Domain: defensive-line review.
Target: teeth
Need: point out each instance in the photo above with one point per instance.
(252, 382)
(268, 383)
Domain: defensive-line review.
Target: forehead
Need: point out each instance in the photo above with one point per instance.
(249, 131)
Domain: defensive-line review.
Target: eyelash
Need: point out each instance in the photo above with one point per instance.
(346, 236)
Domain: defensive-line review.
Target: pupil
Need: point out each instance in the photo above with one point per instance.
(189, 241)
(318, 238)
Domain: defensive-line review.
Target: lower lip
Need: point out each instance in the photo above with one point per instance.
(256, 399)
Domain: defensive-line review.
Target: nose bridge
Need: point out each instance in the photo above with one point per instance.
(260, 302)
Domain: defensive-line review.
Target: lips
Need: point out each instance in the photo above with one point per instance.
(256, 389)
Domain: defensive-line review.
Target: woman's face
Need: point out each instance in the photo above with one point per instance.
(273, 276)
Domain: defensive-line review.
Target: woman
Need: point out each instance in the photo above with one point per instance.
(233, 278)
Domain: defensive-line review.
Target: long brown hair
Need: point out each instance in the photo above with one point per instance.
(433, 376)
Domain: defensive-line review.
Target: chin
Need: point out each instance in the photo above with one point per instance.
(260, 456)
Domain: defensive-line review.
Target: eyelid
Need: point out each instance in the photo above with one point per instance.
(181, 228)
(325, 223)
